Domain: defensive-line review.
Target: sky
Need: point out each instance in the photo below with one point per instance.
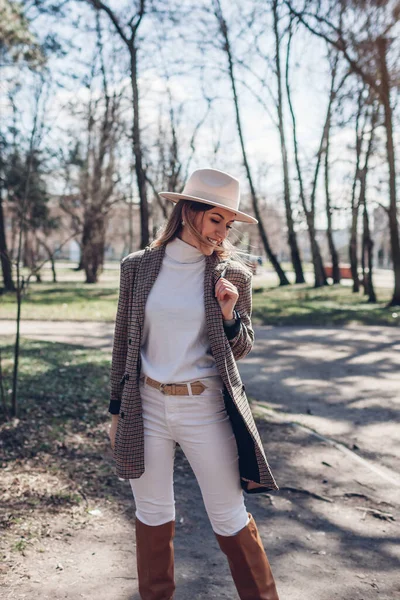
(194, 73)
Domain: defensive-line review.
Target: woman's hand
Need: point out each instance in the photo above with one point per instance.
(227, 295)
(113, 430)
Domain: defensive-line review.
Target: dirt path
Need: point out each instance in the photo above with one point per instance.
(341, 382)
(331, 533)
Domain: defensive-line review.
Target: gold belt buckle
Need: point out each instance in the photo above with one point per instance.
(167, 389)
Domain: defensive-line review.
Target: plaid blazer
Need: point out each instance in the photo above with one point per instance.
(138, 274)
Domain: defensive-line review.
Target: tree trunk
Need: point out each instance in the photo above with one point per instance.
(353, 244)
(319, 271)
(20, 278)
(327, 136)
(292, 238)
(50, 254)
(14, 237)
(137, 151)
(130, 217)
(93, 243)
(353, 253)
(392, 212)
(5, 260)
(329, 231)
(283, 280)
(53, 268)
(27, 252)
(14, 395)
(367, 243)
(367, 257)
(2, 393)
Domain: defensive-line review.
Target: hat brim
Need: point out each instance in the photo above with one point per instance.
(239, 216)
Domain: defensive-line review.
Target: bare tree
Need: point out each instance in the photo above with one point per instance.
(363, 33)
(366, 123)
(367, 242)
(292, 238)
(4, 255)
(309, 208)
(226, 46)
(128, 33)
(97, 169)
(333, 93)
(33, 143)
(17, 45)
(354, 206)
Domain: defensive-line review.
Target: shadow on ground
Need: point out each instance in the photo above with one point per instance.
(322, 539)
(348, 377)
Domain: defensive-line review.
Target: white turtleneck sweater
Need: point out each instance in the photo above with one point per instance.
(175, 346)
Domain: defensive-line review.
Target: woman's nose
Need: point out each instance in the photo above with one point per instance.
(221, 233)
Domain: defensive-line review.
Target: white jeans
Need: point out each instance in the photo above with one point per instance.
(201, 426)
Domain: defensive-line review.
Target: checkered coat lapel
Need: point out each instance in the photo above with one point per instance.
(138, 274)
(148, 270)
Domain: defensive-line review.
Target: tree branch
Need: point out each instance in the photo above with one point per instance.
(98, 5)
(340, 44)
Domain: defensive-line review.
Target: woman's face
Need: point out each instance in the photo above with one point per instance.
(213, 224)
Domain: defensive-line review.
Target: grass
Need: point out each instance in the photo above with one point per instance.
(55, 457)
(69, 299)
(64, 301)
(302, 305)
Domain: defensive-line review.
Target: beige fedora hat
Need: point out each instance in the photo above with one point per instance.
(212, 187)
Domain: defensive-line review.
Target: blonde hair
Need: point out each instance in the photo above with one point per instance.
(187, 210)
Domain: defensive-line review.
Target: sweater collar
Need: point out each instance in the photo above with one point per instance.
(182, 252)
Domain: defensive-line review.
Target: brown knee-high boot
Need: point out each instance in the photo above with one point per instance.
(155, 560)
(249, 564)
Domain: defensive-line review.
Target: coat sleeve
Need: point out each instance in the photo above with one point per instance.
(241, 334)
(119, 351)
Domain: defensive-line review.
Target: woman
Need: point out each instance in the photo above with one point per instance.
(183, 321)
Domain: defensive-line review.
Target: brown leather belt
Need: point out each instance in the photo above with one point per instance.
(176, 389)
